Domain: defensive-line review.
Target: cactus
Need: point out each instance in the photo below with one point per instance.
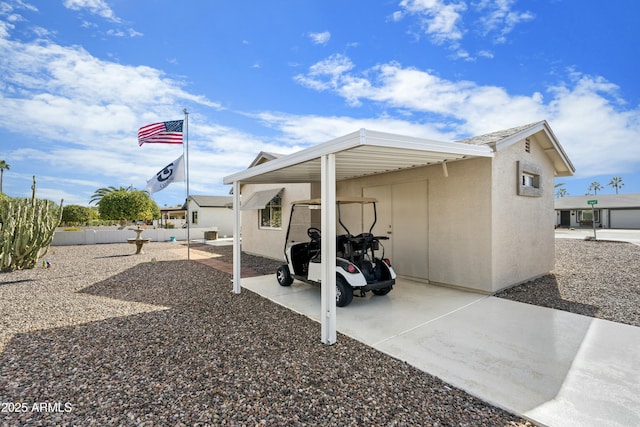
(26, 230)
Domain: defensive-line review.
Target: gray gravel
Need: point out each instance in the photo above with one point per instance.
(108, 338)
(594, 278)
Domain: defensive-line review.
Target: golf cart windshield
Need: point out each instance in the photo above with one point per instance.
(305, 214)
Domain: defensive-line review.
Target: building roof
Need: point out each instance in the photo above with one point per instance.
(361, 153)
(212, 201)
(540, 132)
(263, 157)
(605, 201)
(368, 152)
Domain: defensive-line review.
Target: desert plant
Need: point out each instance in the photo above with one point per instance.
(26, 230)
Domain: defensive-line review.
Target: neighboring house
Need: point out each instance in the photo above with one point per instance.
(609, 211)
(176, 216)
(211, 211)
(475, 214)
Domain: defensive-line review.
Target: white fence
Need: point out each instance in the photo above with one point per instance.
(97, 236)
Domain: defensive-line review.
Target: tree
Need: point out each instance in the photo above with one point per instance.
(78, 215)
(616, 182)
(561, 191)
(595, 186)
(128, 205)
(3, 165)
(101, 192)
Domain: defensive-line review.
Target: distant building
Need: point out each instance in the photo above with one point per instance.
(210, 212)
(610, 211)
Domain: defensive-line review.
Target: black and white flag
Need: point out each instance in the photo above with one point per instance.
(173, 172)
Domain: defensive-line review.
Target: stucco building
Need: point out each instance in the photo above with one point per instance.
(609, 211)
(475, 214)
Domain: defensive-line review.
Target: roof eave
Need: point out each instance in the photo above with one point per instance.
(359, 138)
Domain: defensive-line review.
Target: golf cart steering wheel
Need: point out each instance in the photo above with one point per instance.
(313, 233)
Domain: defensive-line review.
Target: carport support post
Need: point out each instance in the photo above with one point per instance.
(236, 237)
(328, 249)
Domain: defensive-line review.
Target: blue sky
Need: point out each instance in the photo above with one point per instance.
(79, 77)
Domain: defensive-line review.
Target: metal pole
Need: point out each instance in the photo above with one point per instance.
(593, 221)
(186, 148)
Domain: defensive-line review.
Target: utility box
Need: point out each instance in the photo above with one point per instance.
(211, 235)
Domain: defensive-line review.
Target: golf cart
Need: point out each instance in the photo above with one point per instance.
(360, 262)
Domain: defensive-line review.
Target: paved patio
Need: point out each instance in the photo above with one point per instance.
(554, 367)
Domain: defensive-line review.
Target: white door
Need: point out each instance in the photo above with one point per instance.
(403, 217)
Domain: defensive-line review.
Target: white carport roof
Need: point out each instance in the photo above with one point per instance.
(358, 154)
(354, 155)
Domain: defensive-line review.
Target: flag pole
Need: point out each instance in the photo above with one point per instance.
(185, 147)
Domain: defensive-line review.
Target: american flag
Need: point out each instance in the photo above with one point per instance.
(161, 133)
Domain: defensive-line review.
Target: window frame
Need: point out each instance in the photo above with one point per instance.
(274, 209)
(529, 180)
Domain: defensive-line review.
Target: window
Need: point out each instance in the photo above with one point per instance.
(529, 180)
(194, 217)
(271, 215)
(587, 216)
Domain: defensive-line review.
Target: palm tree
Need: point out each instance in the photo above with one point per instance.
(101, 192)
(561, 191)
(616, 182)
(595, 186)
(3, 165)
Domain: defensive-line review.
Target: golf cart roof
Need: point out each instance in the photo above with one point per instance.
(340, 200)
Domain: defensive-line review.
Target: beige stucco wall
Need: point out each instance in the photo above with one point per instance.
(459, 219)
(481, 234)
(269, 242)
(523, 238)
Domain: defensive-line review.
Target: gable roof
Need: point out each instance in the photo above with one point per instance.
(263, 157)
(212, 201)
(540, 131)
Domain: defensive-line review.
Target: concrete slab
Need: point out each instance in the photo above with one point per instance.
(618, 235)
(554, 367)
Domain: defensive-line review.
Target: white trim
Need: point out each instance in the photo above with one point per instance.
(364, 138)
(328, 249)
(237, 260)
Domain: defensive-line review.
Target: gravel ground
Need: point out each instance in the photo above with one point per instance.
(594, 278)
(105, 338)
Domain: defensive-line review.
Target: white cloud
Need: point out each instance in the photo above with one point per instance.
(590, 119)
(85, 112)
(320, 38)
(440, 20)
(500, 18)
(446, 22)
(325, 75)
(55, 89)
(303, 130)
(96, 7)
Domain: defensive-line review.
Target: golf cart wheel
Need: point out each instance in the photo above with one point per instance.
(382, 291)
(284, 276)
(344, 292)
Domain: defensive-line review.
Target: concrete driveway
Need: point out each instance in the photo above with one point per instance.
(554, 367)
(619, 235)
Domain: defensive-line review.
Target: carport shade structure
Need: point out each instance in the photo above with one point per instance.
(357, 154)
